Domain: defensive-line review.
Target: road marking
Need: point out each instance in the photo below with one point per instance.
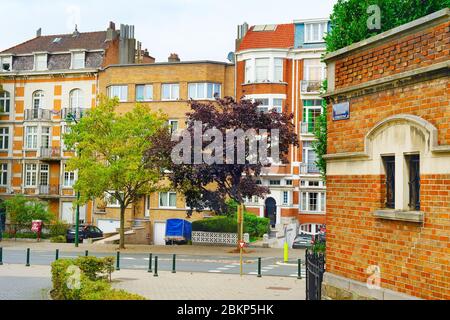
(128, 258)
(214, 271)
(223, 269)
(253, 273)
(230, 266)
(267, 268)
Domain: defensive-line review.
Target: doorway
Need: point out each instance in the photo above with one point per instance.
(271, 211)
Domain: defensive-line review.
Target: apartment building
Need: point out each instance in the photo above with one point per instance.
(280, 66)
(48, 81)
(166, 87)
(388, 165)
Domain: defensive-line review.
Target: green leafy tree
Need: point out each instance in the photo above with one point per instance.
(110, 149)
(320, 132)
(21, 211)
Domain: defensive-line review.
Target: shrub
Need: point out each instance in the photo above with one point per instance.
(58, 239)
(59, 228)
(255, 226)
(87, 281)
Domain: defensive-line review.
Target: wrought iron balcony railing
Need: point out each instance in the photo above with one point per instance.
(50, 153)
(37, 114)
(49, 190)
(75, 112)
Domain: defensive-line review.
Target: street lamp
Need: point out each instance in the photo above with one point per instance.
(72, 117)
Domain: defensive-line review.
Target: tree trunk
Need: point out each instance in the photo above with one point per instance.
(122, 227)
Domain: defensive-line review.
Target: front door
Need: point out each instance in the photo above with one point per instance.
(271, 211)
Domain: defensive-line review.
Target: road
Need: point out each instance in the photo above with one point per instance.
(270, 266)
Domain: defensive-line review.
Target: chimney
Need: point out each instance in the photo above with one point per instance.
(38, 32)
(241, 32)
(173, 58)
(111, 33)
(127, 45)
(75, 32)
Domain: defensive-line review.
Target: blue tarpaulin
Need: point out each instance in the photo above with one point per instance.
(178, 228)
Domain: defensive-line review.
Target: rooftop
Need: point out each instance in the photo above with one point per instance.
(272, 36)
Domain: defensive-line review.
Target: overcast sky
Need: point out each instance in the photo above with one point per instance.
(195, 29)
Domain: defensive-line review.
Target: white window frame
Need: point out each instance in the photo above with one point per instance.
(263, 69)
(305, 201)
(173, 128)
(120, 91)
(286, 197)
(278, 70)
(31, 178)
(314, 63)
(75, 98)
(37, 62)
(147, 94)
(4, 174)
(5, 99)
(167, 195)
(111, 202)
(71, 178)
(147, 206)
(249, 74)
(31, 138)
(194, 87)
(38, 96)
(309, 31)
(4, 138)
(77, 57)
(171, 87)
(48, 135)
(271, 102)
(44, 174)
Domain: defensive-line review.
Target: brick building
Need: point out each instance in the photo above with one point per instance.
(280, 66)
(388, 164)
(44, 80)
(166, 87)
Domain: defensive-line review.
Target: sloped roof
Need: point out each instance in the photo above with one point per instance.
(86, 40)
(281, 37)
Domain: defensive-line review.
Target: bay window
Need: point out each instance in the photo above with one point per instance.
(278, 70)
(262, 69)
(248, 71)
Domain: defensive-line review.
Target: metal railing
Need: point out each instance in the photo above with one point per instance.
(47, 190)
(311, 86)
(37, 114)
(75, 112)
(50, 153)
(308, 168)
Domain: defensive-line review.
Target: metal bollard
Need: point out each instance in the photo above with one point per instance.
(28, 258)
(174, 263)
(118, 261)
(1, 256)
(259, 268)
(86, 253)
(150, 263)
(156, 267)
(299, 269)
(57, 254)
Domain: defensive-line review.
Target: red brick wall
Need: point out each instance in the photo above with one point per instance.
(414, 259)
(429, 100)
(417, 50)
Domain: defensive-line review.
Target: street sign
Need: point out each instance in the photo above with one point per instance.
(241, 244)
(36, 225)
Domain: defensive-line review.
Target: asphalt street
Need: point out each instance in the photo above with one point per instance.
(186, 263)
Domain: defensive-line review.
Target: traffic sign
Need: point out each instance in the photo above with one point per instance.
(241, 244)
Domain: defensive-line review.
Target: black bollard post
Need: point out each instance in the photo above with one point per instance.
(57, 254)
(259, 268)
(118, 261)
(156, 267)
(174, 263)
(150, 263)
(28, 258)
(299, 269)
(1, 256)
(86, 253)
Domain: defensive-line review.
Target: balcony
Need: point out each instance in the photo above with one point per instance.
(50, 153)
(75, 112)
(37, 114)
(49, 191)
(309, 168)
(311, 86)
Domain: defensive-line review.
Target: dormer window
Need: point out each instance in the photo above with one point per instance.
(6, 64)
(78, 60)
(315, 32)
(40, 62)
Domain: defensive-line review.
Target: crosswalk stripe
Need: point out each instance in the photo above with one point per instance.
(214, 271)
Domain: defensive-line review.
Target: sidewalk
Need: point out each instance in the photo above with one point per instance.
(179, 250)
(201, 286)
(18, 282)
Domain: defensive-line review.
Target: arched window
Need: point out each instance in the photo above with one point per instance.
(75, 99)
(38, 99)
(5, 102)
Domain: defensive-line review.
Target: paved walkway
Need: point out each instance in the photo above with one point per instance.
(197, 286)
(18, 282)
(183, 249)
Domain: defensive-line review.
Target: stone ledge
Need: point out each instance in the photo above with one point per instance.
(409, 216)
(336, 287)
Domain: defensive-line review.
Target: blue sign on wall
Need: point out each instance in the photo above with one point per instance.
(341, 111)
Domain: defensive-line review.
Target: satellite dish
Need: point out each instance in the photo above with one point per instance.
(230, 57)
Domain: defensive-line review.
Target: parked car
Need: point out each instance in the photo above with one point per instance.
(302, 241)
(85, 232)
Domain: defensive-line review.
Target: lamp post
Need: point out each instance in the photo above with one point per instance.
(71, 117)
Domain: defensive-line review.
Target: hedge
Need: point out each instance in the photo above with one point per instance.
(255, 226)
(85, 278)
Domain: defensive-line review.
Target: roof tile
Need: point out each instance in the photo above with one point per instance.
(282, 37)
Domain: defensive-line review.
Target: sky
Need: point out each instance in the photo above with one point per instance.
(194, 29)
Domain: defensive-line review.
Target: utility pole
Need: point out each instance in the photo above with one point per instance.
(240, 233)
